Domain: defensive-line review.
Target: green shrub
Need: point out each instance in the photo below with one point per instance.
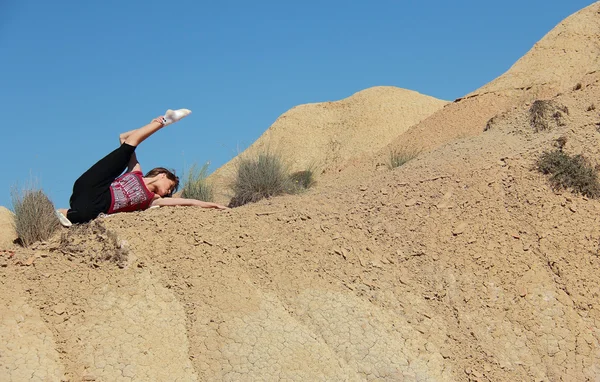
(196, 186)
(35, 218)
(302, 180)
(260, 178)
(569, 172)
(400, 156)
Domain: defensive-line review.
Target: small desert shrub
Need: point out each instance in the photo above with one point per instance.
(260, 178)
(35, 219)
(302, 180)
(490, 123)
(578, 86)
(542, 113)
(592, 107)
(400, 156)
(196, 186)
(96, 243)
(569, 172)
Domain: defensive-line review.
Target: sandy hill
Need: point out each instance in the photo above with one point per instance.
(462, 265)
(556, 64)
(325, 135)
(7, 230)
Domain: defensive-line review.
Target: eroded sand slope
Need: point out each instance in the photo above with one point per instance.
(461, 265)
(325, 135)
(556, 64)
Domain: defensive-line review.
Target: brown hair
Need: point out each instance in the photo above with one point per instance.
(170, 175)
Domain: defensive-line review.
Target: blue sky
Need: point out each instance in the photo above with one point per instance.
(75, 74)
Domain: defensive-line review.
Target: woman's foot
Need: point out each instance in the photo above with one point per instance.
(61, 214)
(172, 116)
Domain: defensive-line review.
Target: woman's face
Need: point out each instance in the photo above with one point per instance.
(163, 186)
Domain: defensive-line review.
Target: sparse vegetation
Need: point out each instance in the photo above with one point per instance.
(303, 180)
(572, 172)
(490, 123)
(542, 113)
(266, 176)
(400, 156)
(196, 185)
(259, 178)
(35, 219)
(592, 107)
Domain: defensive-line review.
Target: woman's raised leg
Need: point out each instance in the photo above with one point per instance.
(135, 137)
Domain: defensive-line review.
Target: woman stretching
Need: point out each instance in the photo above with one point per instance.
(102, 188)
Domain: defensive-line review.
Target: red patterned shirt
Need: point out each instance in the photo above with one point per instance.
(129, 193)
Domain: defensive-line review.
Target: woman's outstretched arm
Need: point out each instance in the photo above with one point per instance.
(185, 202)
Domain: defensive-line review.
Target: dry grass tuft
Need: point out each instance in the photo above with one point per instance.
(544, 114)
(196, 185)
(265, 176)
(35, 219)
(400, 156)
(259, 178)
(302, 180)
(572, 172)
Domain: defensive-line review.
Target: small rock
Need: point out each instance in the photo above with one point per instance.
(573, 208)
(364, 188)
(459, 229)
(410, 203)
(60, 308)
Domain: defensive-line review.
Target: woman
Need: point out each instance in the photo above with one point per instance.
(102, 188)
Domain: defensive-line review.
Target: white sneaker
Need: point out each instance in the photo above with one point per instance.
(63, 219)
(172, 116)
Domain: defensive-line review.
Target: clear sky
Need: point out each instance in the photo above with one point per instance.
(74, 74)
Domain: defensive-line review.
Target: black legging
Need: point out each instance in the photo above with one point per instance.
(91, 192)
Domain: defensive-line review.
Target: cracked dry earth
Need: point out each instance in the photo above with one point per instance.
(462, 265)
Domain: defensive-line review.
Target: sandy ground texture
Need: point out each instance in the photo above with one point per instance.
(7, 230)
(462, 265)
